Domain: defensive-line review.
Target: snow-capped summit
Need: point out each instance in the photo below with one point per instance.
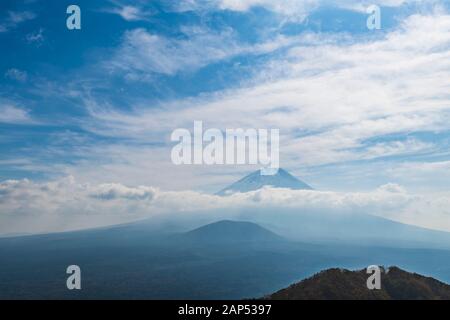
(255, 181)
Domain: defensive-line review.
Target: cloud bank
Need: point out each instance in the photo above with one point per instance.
(61, 205)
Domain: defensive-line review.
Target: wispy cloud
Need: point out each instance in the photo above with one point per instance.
(36, 37)
(18, 17)
(12, 114)
(143, 52)
(16, 74)
(13, 19)
(129, 12)
(336, 99)
(294, 9)
(340, 95)
(289, 10)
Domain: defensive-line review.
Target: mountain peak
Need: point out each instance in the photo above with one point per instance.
(228, 231)
(256, 180)
(342, 284)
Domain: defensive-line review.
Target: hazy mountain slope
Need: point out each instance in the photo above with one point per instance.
(340, 284)
(125, 264)
(132, 262)
(347, 228)
(255, 181)
(227, 231)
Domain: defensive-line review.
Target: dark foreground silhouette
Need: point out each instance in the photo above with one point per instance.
(342, 284)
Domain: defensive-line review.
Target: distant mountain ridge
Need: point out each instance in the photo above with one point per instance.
(223, 260)
(342, 284)
(256, 181)
(228, 231)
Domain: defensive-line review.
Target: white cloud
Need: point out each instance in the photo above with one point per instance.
(143, 52)
(292, 10)
(422, 174)
(18, 17)
(16, 74)
(333, 98)
(129, 12)
(65, 204)
(36, 37)
(13, 19)
(13, 114)
(362, 5)
(118, 191)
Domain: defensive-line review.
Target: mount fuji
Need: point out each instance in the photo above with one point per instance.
(255, 181)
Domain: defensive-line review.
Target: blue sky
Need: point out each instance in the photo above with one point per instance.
(356, 108)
